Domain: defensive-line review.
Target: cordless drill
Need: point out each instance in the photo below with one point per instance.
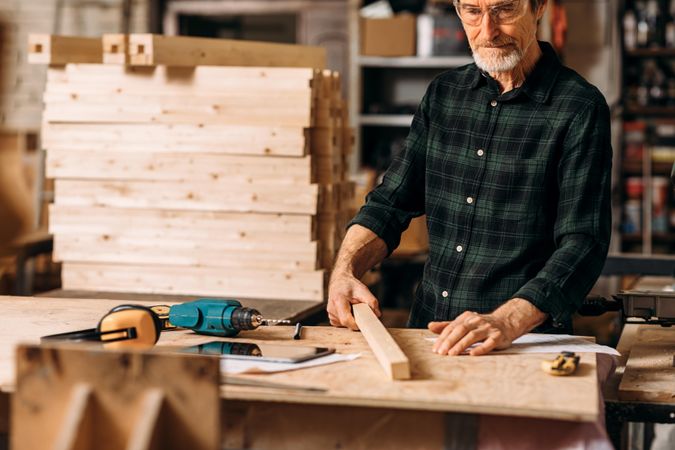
(217, 317)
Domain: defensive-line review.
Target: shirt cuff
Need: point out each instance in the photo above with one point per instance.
(381, 223)
(549, 299)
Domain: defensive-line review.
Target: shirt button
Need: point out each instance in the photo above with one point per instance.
(459, 249)
(469, 200)
(480, 152)
(444, 294)
(493, 103)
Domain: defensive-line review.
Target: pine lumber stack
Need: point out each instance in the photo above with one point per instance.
(203, 180)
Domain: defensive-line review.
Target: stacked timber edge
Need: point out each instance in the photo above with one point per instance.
(196, 180)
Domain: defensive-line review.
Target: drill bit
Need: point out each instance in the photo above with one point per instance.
(271, 322)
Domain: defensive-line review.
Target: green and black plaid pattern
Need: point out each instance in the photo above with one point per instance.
(516, 189)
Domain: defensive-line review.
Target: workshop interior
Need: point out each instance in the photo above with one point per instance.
(182, 183)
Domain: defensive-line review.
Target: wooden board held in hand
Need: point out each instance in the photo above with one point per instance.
(386, 350)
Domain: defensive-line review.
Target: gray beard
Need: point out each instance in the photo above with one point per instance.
(505, 63)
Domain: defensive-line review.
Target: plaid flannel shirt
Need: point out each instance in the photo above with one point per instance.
(515, 187)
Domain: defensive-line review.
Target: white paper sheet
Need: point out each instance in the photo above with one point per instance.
(237, 366)
(552, 343)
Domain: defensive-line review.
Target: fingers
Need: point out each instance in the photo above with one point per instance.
(343, 293)
(363, 295)
(449, 337)
(468, 340)
(486, 347)
(466, 330)
(437, 327)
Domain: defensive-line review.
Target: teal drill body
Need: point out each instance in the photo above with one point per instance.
(215, 317)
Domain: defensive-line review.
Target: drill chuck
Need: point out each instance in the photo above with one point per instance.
(245, 319)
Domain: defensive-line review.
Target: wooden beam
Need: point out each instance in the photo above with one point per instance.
(386, 350)
(194, 251)
(177, 138)
(59, 50)
(152, 50)
(150, 166)
(189, 195)
(115, 48)
(234, 228)
(208, 281)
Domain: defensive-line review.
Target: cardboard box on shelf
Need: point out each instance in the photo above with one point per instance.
(389, 37)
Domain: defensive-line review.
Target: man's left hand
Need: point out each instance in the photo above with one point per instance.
(469, 328)
(493, 331)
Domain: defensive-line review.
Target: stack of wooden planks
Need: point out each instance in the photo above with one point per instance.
(199, 180)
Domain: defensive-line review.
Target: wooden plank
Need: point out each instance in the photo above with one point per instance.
(224, 80)
(115, 48)
(195, 252)
(649, 375)
(56, 50)
(152, 50)
(390, 356)
(208, 281)
(299, 101)
(216, 114)
(239, 229)
(227, 169)
(179, 138)
(194, 196)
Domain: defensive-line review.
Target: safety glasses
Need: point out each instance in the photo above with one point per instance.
(502, 13)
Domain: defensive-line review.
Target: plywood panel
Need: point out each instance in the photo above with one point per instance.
(492, 384)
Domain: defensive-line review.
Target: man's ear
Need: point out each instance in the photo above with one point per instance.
(541, 9)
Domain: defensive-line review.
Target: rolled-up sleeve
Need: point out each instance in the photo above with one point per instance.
(583, 222)
(399, 198)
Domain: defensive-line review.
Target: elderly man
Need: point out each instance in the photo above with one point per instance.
(510, 160)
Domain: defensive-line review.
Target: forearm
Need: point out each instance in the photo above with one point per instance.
(520, 316)
(360, 251)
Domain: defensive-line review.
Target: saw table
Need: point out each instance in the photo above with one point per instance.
(354, 403)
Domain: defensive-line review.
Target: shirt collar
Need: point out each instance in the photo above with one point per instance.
(540, 81)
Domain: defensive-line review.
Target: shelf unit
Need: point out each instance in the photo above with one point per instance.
(387, 82)
(643, 121)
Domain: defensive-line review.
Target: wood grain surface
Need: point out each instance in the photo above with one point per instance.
(649, 373)
(511, 385)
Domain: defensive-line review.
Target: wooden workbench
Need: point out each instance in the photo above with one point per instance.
(642, 389)
(356, 392)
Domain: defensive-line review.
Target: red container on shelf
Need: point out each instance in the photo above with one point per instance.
(635, 187)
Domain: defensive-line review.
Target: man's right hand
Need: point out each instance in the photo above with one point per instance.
(343, 292)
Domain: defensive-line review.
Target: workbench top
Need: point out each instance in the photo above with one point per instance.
(511, 385)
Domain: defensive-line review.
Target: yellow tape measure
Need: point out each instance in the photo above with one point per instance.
(564, 364)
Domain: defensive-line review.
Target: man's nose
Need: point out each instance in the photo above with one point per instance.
(488, 29)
